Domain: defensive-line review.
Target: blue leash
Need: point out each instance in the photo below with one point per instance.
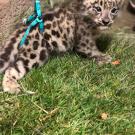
(34, 19)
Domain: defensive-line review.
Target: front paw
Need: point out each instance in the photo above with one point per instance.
(103, 59)
(11, 86)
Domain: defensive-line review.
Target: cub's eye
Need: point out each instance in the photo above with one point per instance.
(98, 9)
(114, 10)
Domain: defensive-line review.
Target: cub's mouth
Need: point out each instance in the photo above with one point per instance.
(94, 23)
(103, 27)
(103, 24)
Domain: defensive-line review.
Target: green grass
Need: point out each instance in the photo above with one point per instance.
(72, 93)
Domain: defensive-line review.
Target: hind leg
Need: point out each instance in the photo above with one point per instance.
(86, 45)
(91, 51)
(20, 68)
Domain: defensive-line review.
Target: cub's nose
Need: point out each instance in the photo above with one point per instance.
(105, 22)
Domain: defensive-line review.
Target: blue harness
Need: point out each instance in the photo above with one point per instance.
(34, 19)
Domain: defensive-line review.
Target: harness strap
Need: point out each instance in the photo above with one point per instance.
(34, 19)
(30, 19)
(39, 15)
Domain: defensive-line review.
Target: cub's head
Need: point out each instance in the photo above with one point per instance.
(102, 12)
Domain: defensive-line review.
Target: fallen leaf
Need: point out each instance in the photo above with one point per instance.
(104, 116)
(117, 62)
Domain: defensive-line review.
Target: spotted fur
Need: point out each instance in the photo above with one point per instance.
(70, 27)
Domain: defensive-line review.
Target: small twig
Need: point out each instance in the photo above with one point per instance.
(30, 92)
(50, 114)
(27, 91)
(14, 123)
(41, 108)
